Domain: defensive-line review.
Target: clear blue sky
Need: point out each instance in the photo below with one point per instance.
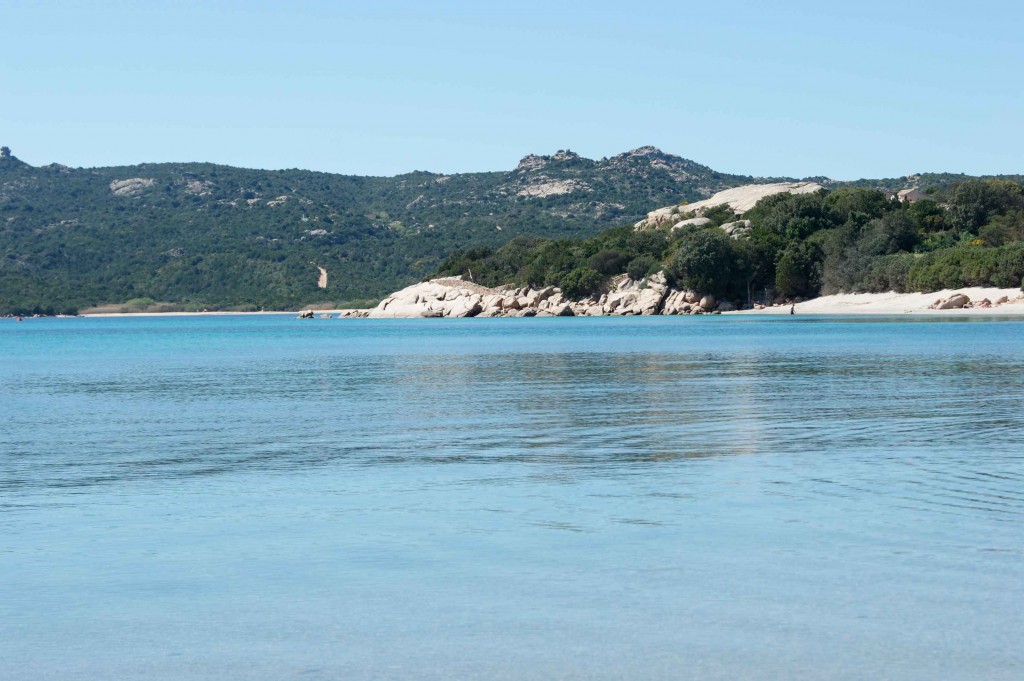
(766, 88)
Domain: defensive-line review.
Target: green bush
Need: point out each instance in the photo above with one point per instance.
(608, 262)
(642, 266)
(798, 272)
(888, 273)
(968, 266)
(581, 282)
(704, 261)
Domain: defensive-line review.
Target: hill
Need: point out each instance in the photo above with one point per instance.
(200, 235)
(203, 235)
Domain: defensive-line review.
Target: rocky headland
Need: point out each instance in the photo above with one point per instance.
(453, 297)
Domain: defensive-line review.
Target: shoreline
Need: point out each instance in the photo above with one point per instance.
(890, 303)
(893, 303)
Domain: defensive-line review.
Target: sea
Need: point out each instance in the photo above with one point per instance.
(717, 497)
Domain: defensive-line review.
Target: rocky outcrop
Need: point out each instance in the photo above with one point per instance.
(133, 186)
(740, 199)
(437, 298)
(692, 222)
(635, 297)
(961, 301)
(553, 188)
(954, 302)
(454, 297)
(737, 229)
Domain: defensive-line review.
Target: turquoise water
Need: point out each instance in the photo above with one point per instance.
(645, 498)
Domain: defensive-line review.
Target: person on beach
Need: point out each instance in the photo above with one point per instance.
(792, 309)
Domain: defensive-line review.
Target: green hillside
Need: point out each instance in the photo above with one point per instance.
(211, 236)
(203, 236)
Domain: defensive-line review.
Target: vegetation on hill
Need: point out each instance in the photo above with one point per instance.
(202, 236)
(848, 239)
(207, 236)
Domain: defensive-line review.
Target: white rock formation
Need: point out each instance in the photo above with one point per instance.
(692, 222)
(553, 188)
(740, 199)
(737, 229)
(131, 186)
(453, 297)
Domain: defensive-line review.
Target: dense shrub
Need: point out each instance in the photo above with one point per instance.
(704, 261)
(581, 282)
(608, 262)
(641, 266)
(799, 270)
(888, 273)
(968, 266)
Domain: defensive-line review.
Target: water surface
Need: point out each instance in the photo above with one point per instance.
(657, 498)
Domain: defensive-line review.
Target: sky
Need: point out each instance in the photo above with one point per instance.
(847, 90)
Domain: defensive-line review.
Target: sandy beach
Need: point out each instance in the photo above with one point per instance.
(890, 303)
(893, 303)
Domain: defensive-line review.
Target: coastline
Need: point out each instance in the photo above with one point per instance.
(893, 303)
(890, 303)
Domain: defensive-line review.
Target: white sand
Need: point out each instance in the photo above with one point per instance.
(903, 303)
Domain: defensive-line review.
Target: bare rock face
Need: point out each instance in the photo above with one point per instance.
(740, 199)
(453, 297)
(553, 188)
(678, 302)
(691, 222)
(437, 298)
(632, 297)
(133, 186)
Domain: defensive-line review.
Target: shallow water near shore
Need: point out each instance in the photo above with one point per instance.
(599, 498)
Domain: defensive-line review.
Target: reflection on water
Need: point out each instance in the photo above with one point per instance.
(586, 498)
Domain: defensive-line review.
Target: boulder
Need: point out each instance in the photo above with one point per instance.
(954, 302)
(737, 228)
(448, 297)
(707, 302)
(691, 222)
(726, 306)
(650, 298)
(464, 306)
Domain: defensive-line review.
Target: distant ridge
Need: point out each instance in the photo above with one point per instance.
(212, 236)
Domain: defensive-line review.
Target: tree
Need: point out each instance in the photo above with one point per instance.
(798, 272)
(976, 202)
(704, 261)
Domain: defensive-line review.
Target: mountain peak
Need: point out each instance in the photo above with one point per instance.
(645, 151)
(535, 162)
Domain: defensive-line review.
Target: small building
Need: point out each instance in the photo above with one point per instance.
(912, 195)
